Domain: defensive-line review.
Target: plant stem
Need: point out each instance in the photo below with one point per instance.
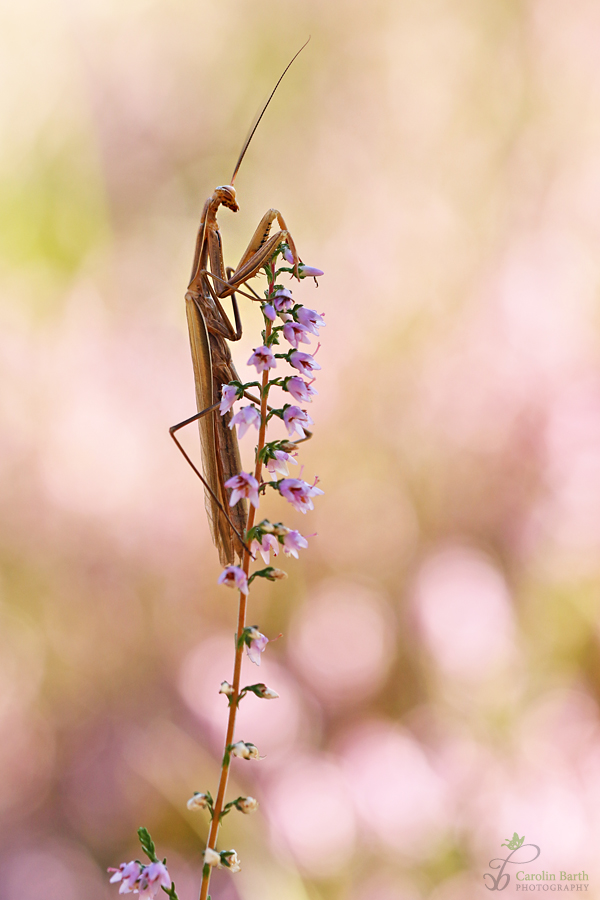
(237, 669)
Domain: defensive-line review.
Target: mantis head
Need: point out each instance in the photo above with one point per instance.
(225, 195)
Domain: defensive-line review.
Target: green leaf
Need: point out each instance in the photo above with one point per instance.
(147, 844)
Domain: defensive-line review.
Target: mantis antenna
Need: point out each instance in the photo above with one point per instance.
(262, 112)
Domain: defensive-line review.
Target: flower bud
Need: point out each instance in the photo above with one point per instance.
(229, 858)
(244, 750)
(247, 805)
(308, 271)
(266, 693)
(277, 574)
(226, 689)
(211, 857)
(197, 801)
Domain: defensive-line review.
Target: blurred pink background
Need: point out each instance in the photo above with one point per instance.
(439, 668)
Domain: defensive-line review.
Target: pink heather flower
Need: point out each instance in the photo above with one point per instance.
(278, 466)
(292, 542)
(243, 485)
(295, 334)
(308, 271)
(310, 319)
(257, 645)
(299, 493)
(269, 311)
(287, 255)
(228, 398)
(304, 362)
(262, 359)
(300, 390)
(269, 542)
(234, 577)
(295, 418)
(127, 874)
(244, 418)
(152, 878)
(283, 300)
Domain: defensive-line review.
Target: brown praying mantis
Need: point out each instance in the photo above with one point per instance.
(210, 328)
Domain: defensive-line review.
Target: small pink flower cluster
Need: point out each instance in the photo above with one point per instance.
(143, 880)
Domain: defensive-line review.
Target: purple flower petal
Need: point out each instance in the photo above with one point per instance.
(300, 390)
(228, 398)
(244, 418)
(263, 359)
(234, 577)
(243, 485)
(304, 362)
(295, 418)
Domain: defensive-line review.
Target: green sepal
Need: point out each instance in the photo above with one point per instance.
(229, 806)
(254, 689)
(225, 854)
(268, 451)
(244, 637)
(277, 412)
(147, 844)
(171, 892)
(273, 337)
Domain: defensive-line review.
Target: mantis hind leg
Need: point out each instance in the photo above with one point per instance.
(172, 431)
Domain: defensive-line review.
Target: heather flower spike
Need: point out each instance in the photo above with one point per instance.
(284, 319)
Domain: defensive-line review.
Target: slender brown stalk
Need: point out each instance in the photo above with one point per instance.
(237, 669)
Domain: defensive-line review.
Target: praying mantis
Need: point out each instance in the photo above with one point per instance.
(209, 329)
